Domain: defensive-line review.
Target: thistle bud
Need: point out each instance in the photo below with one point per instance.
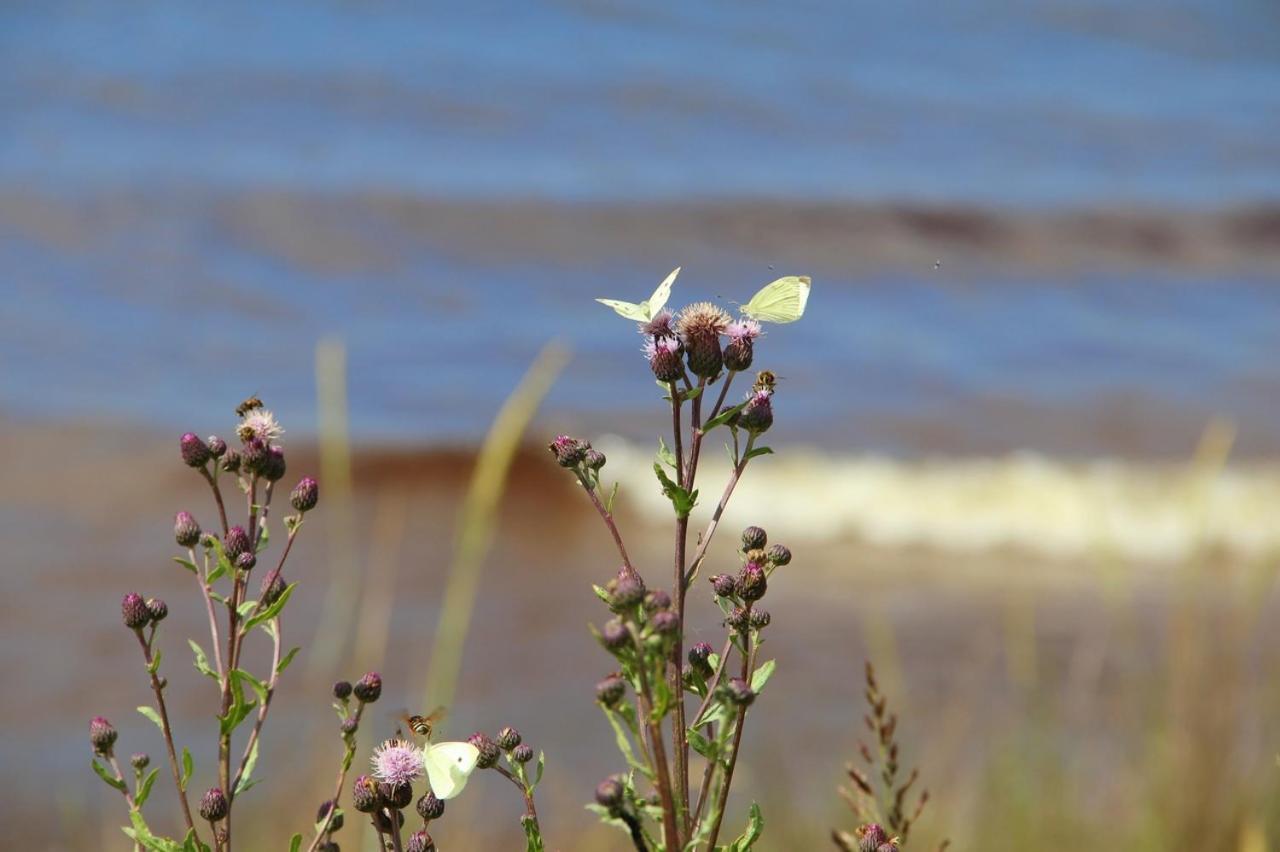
(752, 583)
(102, 735)
(364, 795)
(664, 358)
(217, 446)
(246, 561)
(657, 600)
(429, 807)
(665, 622)
(231, 461)
(757, 555)
(569, 452)
(870, 837)
(273, 586)
(742, 335)
(610, 690)
(700, 327)
(274, 468)
(236, 542)
(522, 753)
(615, 635)
(329, 846)
(140, 761)
(723, 585)
(305, 495)
(420, 841)
(396, 795)
(757, 416)
(194, 451)
(342, 690)
(699, 653)
(336, 822)
(609, 793)
(739, 692)
(157, 609)
(489, 752)
(256, 454)
(213, 805)
(349, 726)
(185, 529)
(134, 609)
(759, 619)
(739, 618)
(508, 738)
(368, 688)
(754, 538)
(779, 555)
(594, 459)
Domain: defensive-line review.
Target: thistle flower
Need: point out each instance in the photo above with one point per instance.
(700, 653)
(757, 416)
(779, 555)
(610, 690)
(663, 355)
(364, 795)
(569, 452)
(594, 459)
(624, 592)
(665, 622)
(102, 735)
(305, 495)
(256, 453)
(194, 452)
(759, 619)
(185, 529)
(870, 837)
(751, 584)
(236, 542)
(700, 326)
(260, 424)
(157, 609)
(397, 762)
(657, 600)
(522, 753)
(216, 445)
(213, 805)
(420, 841)
(742, 334)
(489, 752)
(273, 586)
(246, 562)
(348, 726)
(429, 807)
(508, 738)
(722, 584)
(754, 538)
(135, 612)
(396, 795)
(739, 618)
(368, 688)
(659, 326)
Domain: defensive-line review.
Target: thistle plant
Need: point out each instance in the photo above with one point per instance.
(221, 564)
(668, 714)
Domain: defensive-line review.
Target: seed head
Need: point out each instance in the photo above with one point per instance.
(489, 752)
(752, 583)
(140, 760)
(754, 538)
(779, 555)
(134, 609)
(569, 452)
(610, 690)
(185, 529)
(508, 738)
(213, 805)
(364, 795)
(194, 452)
(615, 635)
(342, 690)
(305, 495)
(663, 355)
(429, 807)
(368, 688)
(102, 735)
(723, 585)
(757, 416)
(609, 793)
(217, 446)
(395, 763)
(420, 841)
(157, 609)
(273, 586)
(335, 823)
(739, 692)
(231, 461)
(237, 542)
(700, 326)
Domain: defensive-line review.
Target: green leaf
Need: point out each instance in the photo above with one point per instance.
(691, 393)
(201, 662)
(217, 597)
(755, 826)
(613, 493)
(142, 834)
(245, 608)
(252, 761)
(223, 567)
(264, 536)
(151, 714)
(681, 500)
(703, 746)
(273, 610)
(191, 843)
(186, 563)
(239, 708)
(288, 658)
(188, 767)
(761, 675)
(144, 789)
(601, 593)
(154, 665)
(259, 688)
(723, 417)
(624, 743)
(665, 455)
(537, 773)
(295, 843)
(108, 777)
(760, 451)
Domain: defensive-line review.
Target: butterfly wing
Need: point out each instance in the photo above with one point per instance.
(659, 298)
(783, 300)
(449, 765)
(630, 310)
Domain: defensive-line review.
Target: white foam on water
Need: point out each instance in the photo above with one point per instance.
(1041, 505)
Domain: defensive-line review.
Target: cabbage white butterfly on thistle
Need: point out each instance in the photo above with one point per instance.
(647, 310)
(782, 301)
(448, 766)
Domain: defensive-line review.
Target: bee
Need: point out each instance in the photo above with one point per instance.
(248, 405)
(765, 380)
(422, 725)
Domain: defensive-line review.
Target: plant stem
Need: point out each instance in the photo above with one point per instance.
(202, 581)
(748, 663)
(167, 730)
(705, 541)
(669, 830)
(529, 810)
(393, 818)
(347, 757)
(115, 767)
(607, 517)
(262, 710)
(212, 479)
(637, 834)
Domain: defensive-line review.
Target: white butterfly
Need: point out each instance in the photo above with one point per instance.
(647, 310)
(783, 300)
(448, 766)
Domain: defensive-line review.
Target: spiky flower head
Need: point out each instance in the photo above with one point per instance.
(397, 762)
(522, 753)
(663, 355)
(757, 416)
(186, 531)
(779, 555)
(420, 841)
(700, 326)
(489, 751)
(754, 538)
(236, 542)
(194, 452)
(657, 600)
(368, 688)
(752, 583)
(135, 612)
(349, 726)
(625, 591)
(246, 561)
(273, 586)
(594, 459)
(569, 451)
(213, 805)
(722, 584)
(364, 795)
(305, 494)
(396, 795)
(740, 351)
(760, 618)
(261, 424)
(217, 446)
(610, 690)
(429, 807)
(508, 738)
(256, 455)
(157, 609)
(660, 326)
(700, 653)
(739, 618)
(744, 329)
(140, 760)
(102, 735)
(665, 622)
(231, 461)
(870, 837)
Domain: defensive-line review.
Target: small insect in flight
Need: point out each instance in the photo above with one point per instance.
(248, 405)
(422, 725)
(765, 381)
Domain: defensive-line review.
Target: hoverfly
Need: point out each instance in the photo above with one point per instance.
(422, 725)
(248, 405)
(765, 381)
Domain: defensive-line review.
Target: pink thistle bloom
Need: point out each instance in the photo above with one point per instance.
(659, 326)
(661, 346)
(743, 329)
(261, 424)
(397, 762)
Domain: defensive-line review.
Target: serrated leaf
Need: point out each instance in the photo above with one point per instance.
(151, 714)
(288, 658)
(107, 776)
(201, 661)
(188, 767)
(144, 789)
(762, 674)
(186, 563)
(154, 665)
(251, 762)
(273, 610)
(142, 834)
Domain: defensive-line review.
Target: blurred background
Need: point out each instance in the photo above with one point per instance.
(1028, 434)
